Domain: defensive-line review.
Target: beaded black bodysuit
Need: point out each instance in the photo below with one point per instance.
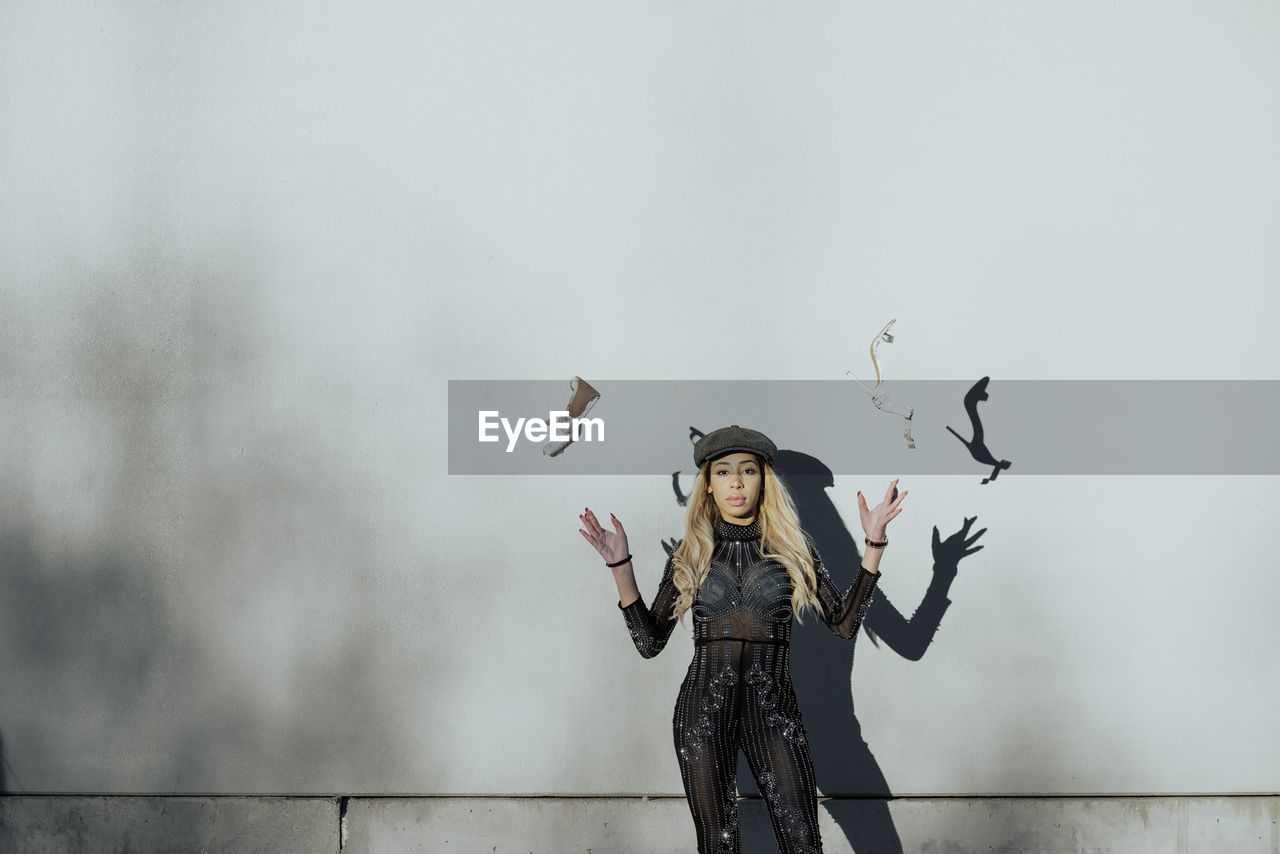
(738, 690)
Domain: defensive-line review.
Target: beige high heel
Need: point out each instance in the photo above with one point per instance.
(580, 403)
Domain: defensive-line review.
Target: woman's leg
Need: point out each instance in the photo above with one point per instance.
(706, 747)
(777, 751)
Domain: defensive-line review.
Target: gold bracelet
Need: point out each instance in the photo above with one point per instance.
(876, 545)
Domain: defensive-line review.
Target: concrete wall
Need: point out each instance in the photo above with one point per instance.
(1158, 825)
(244, 247)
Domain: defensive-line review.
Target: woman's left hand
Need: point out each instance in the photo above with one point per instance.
(875, 519)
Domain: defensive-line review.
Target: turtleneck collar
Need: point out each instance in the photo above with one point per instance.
(729, 531)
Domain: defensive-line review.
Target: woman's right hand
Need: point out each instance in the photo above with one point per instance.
(612, 545)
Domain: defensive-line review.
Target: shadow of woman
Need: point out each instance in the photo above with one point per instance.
(820, 669)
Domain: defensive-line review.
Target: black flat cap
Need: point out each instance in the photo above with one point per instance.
(728, 440)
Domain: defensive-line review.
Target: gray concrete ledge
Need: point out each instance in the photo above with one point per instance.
(116, 824)
(1143, 825)
(1245, 824)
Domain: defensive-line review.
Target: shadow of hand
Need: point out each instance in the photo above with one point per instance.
(948, 553)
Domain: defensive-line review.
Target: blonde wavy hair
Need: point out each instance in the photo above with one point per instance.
(783, 541)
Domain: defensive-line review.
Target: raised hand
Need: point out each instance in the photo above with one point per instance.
(612, 545)
(875, 519)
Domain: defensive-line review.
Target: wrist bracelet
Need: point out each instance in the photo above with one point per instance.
(618, 563)
(876, 545)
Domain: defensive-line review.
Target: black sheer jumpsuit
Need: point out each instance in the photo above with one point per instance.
(738, 690)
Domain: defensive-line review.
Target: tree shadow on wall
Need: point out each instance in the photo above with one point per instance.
(821, 665)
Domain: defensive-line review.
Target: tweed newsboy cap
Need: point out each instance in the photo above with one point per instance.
(728, 440)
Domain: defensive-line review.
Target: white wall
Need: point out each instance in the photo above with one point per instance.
(245, 248)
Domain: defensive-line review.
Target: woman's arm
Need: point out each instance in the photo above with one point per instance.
(871, 558)
(844, 612)
(625, 578)
(651, 626)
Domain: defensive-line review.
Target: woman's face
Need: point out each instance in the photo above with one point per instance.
(735, 482)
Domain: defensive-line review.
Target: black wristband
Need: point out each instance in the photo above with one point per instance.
(618, 563)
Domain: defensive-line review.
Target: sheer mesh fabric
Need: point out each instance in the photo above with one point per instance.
(738, 694)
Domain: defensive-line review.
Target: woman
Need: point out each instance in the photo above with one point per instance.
(743, 569)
